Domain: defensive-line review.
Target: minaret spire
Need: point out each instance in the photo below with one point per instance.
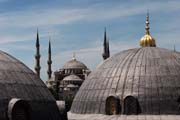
(37, 56)
(49, 62)
(106, 52)
(147, 40)
(147, 23)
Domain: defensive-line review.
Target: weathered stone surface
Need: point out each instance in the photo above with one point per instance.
(18, 81)
(150, 74)
(73, 116)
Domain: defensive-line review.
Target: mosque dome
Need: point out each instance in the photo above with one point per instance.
(139, 81)
(23, 93)
(74, 64)
(149, 74)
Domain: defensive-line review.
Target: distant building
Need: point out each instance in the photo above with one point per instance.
(70, 77)
(66, 81)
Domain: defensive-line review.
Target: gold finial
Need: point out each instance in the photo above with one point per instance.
(74, 56)
(147, 40)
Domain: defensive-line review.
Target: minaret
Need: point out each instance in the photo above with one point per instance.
(49, 62)
(106, 52)
(37, 56)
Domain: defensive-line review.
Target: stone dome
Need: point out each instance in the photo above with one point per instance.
(74, 64)
(21, 87)
(150, 75)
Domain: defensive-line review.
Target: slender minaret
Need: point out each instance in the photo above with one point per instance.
(49, 62)
(37, 56)
(106, 52)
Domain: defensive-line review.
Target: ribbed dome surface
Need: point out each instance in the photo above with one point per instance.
(18, 81)
(150, 74)
(74, 64)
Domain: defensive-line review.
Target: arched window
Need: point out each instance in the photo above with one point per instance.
(18, 110)
(178, 100)
(113, 106)
(131, 106)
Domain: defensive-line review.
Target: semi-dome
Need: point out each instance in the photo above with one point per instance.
(74, 64)
(72, 77)
(23, 95)
(144, 80)
(72, 86)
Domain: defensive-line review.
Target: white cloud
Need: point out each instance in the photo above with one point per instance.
(49, 17)
(57, 16)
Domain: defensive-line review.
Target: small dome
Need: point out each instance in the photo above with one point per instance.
(72, 77)
(74, 64)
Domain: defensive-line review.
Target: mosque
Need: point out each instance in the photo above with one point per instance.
(136, 84)
(66, 81)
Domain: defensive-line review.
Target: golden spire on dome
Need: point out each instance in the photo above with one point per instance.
(147, 40)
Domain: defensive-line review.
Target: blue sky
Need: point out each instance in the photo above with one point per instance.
(78, 26)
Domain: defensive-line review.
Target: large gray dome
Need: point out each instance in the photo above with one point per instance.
(152, 75)
(18, 83)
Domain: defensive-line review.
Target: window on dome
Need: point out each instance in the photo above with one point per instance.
(113, 106)
(18, 110)
(131, 106)
(178, 100)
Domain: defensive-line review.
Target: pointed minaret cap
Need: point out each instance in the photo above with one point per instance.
(37, 56)
(49, 61)
(147, 40)
(37, 39)
(106, 52)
